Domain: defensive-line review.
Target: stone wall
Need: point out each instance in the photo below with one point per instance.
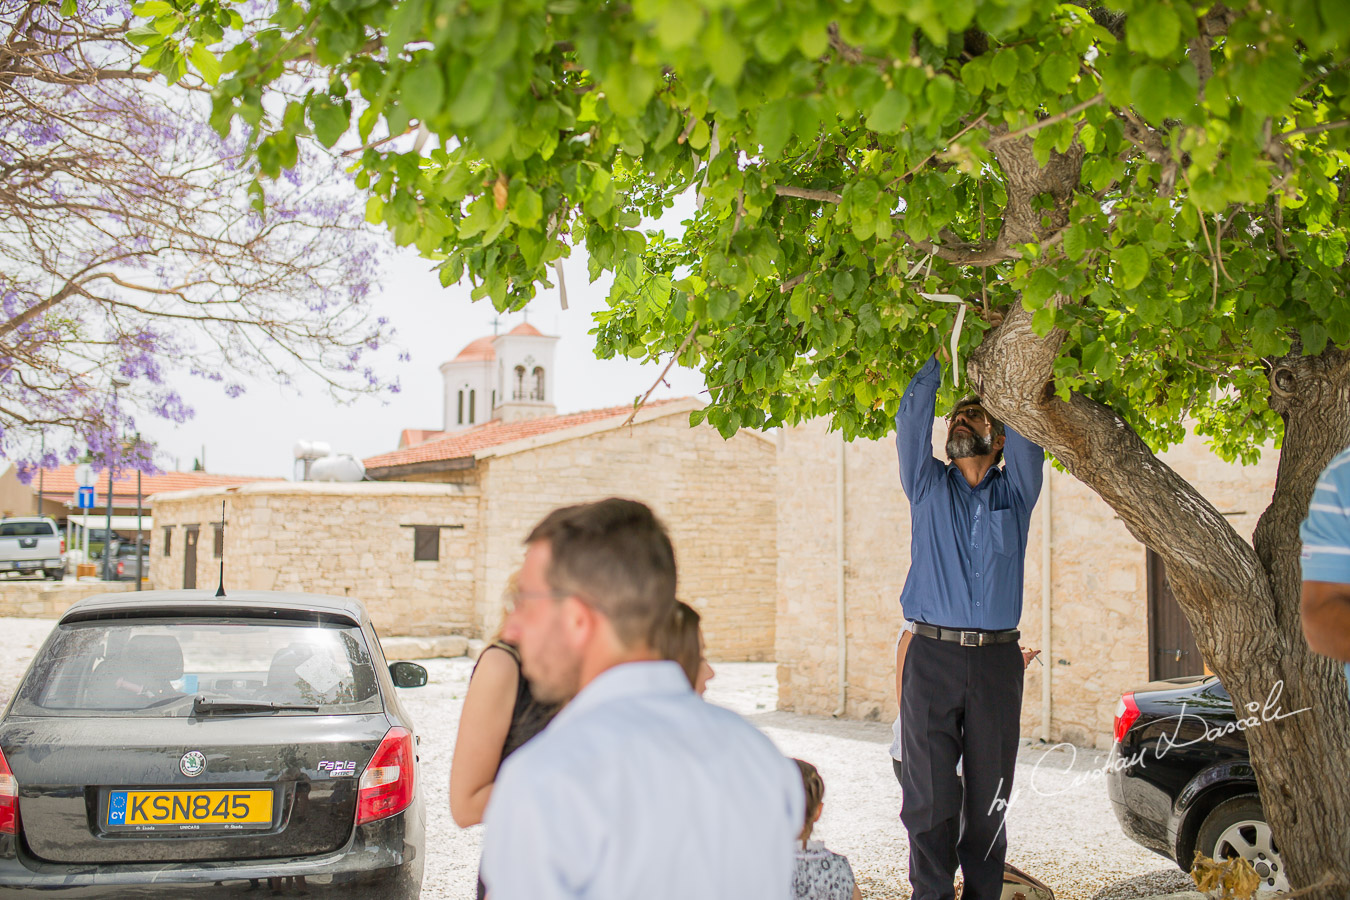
(49, 599)
(340, 539)
(1099, 612)
(715, 496)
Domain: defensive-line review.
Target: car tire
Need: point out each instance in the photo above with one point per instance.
(1237, 827)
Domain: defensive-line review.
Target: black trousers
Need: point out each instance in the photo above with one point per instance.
(958, 702)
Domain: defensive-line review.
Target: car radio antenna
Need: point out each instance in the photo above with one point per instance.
(220, 591)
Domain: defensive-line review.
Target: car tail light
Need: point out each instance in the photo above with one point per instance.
(63, 545)
(9, 798)
(121, 568)
(1127, 713)
(386, 786)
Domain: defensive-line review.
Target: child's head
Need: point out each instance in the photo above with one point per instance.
(815, 796)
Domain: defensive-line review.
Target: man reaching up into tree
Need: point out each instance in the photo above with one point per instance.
(1326, 563)
(963, 671)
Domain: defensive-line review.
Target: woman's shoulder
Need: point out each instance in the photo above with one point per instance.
(499, 664)
(504, 647)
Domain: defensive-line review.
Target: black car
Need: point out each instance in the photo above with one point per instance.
(173, 743)
(1181, 780)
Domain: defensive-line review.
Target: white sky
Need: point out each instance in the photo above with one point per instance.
(254, 434)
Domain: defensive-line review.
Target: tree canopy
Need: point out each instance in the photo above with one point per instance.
(129, 251)
(1159, 180)
(1134, 211)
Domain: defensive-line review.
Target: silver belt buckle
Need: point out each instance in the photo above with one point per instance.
(970, 639)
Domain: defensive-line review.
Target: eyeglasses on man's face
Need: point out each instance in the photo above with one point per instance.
(518, 600)
(972, 413)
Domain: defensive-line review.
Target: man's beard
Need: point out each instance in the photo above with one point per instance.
(963, 443)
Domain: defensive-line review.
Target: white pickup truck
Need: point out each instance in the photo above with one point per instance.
(30, 545)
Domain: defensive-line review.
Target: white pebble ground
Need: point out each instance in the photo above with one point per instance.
(1060, 827)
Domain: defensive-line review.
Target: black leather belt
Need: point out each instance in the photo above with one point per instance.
(967, 638)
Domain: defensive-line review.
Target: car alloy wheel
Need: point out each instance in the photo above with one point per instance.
(1237, 827)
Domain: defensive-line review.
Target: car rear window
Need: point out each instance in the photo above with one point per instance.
(26, 529)
(140, 668)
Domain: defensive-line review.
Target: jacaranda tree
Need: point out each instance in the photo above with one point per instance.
(1134, 217)
(129, 249)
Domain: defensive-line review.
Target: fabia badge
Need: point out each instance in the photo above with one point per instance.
(193, 763)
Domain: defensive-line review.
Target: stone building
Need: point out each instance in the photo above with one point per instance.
(1113, 624)
(430, 543)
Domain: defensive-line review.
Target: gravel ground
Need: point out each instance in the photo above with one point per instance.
(1060, 824)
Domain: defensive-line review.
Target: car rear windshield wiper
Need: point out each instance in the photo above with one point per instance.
(204, 705)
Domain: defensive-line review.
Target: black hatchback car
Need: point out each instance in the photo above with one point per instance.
(1181, 779)
(172, 743)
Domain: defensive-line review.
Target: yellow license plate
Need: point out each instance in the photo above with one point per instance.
(150, 810)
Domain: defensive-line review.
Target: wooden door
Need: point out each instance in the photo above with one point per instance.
(190, 557)
(1171, 644)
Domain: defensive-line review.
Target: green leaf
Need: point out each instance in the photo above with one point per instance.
(145, 36)
(1075, 242)
(1057, 72)
(1043, 320)
(842, 284)
(1315, 337)
(150, 9)
(1039, 288)
(1131, 265)
(67, 8)
(473, 100)
(527, 207)
(774, 127)
(1153, 28)
(1004, 68)
(888, 115)
(1157, 94)
(423, 90)
(330, 121)
(206, 63)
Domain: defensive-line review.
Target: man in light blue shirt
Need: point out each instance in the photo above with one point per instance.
(637, 789)
(1326, 563)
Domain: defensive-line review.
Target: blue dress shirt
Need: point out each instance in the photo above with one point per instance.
(639, 790)
(967, 544)
(1326, 531)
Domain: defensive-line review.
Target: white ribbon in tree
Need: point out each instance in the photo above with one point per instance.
(960, 315)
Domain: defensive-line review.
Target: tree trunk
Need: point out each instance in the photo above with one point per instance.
(1242, 604)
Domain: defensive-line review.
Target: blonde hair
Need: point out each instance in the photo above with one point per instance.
(815, 795)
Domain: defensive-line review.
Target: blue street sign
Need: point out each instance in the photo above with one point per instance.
(86, 498)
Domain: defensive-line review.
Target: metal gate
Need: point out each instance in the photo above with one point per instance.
(1172, 652)
(190, 557)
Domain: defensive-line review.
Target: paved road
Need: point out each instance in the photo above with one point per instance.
(1060, 828)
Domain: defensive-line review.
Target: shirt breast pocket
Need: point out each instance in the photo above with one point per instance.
(1003, 531)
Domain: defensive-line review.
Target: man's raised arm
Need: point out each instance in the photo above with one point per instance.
(919, 471)
(1023, 465)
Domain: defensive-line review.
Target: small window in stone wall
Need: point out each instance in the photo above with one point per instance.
(168, 539)
(218, 544)
(426, 543)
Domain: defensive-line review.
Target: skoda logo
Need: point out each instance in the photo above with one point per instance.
(193, 763)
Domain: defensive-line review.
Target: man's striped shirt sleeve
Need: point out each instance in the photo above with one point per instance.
(1326, 531)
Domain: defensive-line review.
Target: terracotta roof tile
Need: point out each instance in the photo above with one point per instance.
(461, 444)
(61, 480)
(526, 329)
(479, 349)
(411, 437)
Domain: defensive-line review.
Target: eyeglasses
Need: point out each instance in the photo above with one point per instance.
(513, 599)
